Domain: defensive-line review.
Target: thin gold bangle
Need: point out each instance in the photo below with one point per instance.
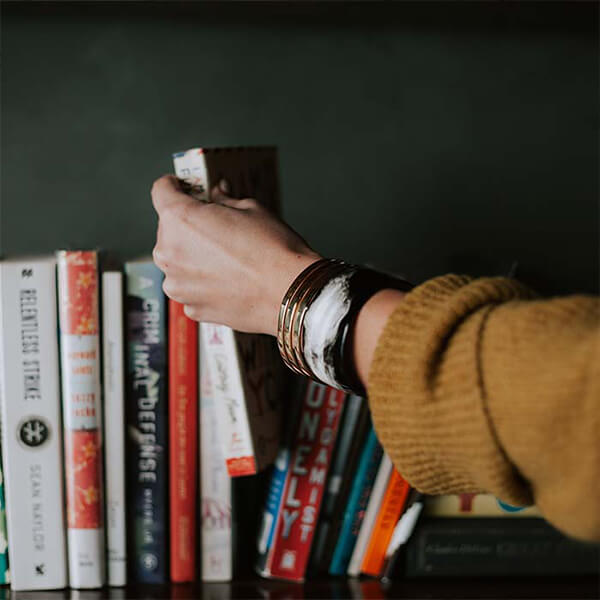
(316, 284)
(287, 299)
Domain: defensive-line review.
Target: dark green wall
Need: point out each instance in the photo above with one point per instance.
(419, 138)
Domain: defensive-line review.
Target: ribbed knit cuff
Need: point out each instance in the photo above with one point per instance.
(427, 394)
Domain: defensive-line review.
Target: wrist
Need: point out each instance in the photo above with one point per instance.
(317, 319)
(369, 326)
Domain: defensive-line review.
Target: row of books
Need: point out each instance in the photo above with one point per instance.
(125, 460)
(150, 480)
(139, 446)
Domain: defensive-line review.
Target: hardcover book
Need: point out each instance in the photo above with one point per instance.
(114, 426)
(360, 492)
(146, 409)
(370, 516)
(244, 370)
(78, 305)
(243, 367)
(496, 546)
(306, 475)
(392, 505)
(354, 425)
(31, 425)
(216, 543)
(474, 505)
(183, 442)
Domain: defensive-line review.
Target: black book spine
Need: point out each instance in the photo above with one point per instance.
(496, 546)
(146, 408)
(355, 422)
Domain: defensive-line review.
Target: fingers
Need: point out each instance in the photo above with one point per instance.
(166, 193)
(219, 197)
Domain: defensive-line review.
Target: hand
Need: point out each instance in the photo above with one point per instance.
(230, 261)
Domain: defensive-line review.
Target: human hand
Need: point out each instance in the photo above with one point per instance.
(230, 261)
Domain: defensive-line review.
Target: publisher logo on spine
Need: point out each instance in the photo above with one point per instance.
(149, 561)
(33, 432)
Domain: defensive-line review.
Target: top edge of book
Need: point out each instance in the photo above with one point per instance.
(208, 150)
(25, 258)
(139, 260)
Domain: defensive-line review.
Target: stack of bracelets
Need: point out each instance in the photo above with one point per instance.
(317, 317)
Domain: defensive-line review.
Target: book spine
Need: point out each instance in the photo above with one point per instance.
(392, 506)
(402, 533)
(215, 485)
(271, 509)
(342, 466)
(80, 374)
(259, 361)
(4, 572)
(183, 446)
(278, 477)
(357, 503)
(379, 487)
(146, 408)
(114, 426)
(222, 358)
(451, 547)
(305, 483)
(31, 426)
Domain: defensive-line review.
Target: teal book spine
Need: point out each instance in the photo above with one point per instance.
(4, 572)
(357, 503)
(147, 427)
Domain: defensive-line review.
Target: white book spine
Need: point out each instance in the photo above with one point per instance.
(114, 426)
(80, 376)
(215, 485)
(232, 416)
(379, 487)
(31, 428)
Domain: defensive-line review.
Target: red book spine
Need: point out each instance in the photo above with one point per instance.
(305, 481)
(183, 442)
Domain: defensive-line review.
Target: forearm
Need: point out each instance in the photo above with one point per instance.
(369, 324)
(472, 390)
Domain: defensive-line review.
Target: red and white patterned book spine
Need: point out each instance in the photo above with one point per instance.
(80, 367)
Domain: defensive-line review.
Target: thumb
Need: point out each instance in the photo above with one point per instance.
(219, 196)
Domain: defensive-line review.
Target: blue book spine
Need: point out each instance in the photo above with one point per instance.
(357, 502)
(147, 459)
(272, 505)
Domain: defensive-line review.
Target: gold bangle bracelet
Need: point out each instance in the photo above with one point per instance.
(313, 289)
(289, 294)
(284, 322)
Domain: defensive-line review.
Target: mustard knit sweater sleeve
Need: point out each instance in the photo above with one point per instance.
(477, 386)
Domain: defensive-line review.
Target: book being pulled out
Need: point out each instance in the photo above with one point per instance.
(244, 368)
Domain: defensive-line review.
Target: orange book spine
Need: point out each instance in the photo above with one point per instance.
(183, 442)
(391, 508)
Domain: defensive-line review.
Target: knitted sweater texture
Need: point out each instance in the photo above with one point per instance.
(477, 386)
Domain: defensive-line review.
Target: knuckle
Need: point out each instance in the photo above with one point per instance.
(170, 288)
(158, 257)
(192, 312)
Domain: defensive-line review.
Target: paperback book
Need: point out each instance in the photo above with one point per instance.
(243, 367)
